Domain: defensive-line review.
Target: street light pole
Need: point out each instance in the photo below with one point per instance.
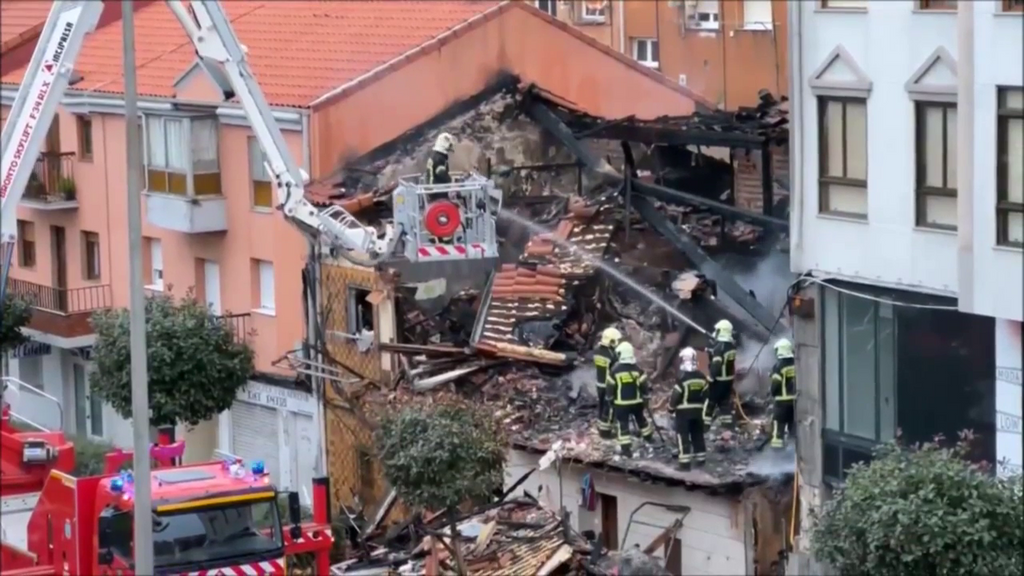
(137, 310)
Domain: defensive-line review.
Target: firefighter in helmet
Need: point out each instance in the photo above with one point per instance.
(437, 165)
(783, 392)
(723, 371)
(687, 405)
(604, 358)
(627, 385)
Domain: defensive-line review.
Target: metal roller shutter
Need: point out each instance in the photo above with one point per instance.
(254, 436)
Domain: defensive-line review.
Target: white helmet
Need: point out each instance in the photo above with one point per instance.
(624, 353)
(611, 337)
(444, 143)
(783, 349)
(723, 331)
(688, 357)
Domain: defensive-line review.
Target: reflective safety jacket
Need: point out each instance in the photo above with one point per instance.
(690, 392)
(628, 384)
(604, 357)
(784, 380)
(723, 361)
(437, 168)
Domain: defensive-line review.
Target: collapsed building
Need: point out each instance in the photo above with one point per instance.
(514, 333)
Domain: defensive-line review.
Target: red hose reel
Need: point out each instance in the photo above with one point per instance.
(442, 219)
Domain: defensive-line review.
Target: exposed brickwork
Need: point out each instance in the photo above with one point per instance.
(747, 166)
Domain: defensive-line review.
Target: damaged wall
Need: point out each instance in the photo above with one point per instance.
(747, 179)
(712, 536)
(489, 130)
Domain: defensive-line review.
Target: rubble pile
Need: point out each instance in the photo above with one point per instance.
(515, 537)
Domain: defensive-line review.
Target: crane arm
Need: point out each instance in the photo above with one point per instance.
(223, 58)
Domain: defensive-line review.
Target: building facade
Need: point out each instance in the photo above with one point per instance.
(907, 218)
(726, 50)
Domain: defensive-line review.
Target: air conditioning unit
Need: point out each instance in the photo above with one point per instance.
(682, 79)
(702, 20)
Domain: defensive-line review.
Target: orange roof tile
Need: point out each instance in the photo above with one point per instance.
(21, 21)
(298, 50)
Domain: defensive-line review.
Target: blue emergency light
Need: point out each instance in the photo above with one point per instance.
(116, 485)
(257, 468)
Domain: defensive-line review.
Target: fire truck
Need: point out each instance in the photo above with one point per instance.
(220, 517)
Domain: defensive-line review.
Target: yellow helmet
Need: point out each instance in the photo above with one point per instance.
(611, 337)
(688, 358)
(625, 354)
(723, 331)
(783, 349)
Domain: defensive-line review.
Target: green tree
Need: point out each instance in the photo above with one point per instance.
(16, 315)
(923, 510)
(439, 458)
(197, 362)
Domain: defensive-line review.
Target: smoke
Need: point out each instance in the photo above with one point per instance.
(583, 380)
(773, 462)
(768, 275)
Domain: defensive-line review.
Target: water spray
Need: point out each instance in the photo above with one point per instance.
(605, 266)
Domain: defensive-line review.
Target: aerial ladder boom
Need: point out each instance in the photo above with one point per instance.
(223, 57)
(46, 79)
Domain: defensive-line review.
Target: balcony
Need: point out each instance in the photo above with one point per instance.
(188, 214)
(239, 323)
(51, 186)
(63, 312)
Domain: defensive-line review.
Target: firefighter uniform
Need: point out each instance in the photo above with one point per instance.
(723, 371)
(604, 357)
(687, 404)
(437, 169)
(784, 393)
(627, 386)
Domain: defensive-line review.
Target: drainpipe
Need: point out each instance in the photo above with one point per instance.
(796, 138)
(622, 26)
(965, 155)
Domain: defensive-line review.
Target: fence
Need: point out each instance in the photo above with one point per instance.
(61, 300)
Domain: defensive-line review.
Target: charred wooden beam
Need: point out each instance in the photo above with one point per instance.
(667, 135)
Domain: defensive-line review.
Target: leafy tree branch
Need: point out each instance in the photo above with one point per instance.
(16, 315)
(923, 510)
(197, 361)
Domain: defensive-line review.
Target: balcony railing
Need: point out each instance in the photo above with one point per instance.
(239, 324)
(52, 179)
(62, 300)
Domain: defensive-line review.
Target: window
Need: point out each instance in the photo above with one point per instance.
(26, 244)
(857, 4)
(843, 140)
(887, 367)
(360, 311)
(91, 255)
(1013, 5)
(84, 124)
(937, 5)
(936, 165)
(265, 285)
(549, 6)
(702, 14)
(262, 183)
(181, 156)
(156, 264)
(1010, 170)
(757, 14)
(645, 51)
(593, 10)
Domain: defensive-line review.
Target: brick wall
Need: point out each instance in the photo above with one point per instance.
(747, 167)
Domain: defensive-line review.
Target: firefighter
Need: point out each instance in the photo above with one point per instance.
(783, 392)
(687, 404)
(723, 370)
(629, 392)
(437, 165)
(604, 358)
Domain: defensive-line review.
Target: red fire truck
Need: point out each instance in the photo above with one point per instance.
(220, 517)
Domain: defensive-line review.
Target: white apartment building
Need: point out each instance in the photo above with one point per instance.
(908, 212)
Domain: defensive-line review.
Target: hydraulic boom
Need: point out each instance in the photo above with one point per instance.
(223, 57)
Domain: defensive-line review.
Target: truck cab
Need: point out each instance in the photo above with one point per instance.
(205, 518)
